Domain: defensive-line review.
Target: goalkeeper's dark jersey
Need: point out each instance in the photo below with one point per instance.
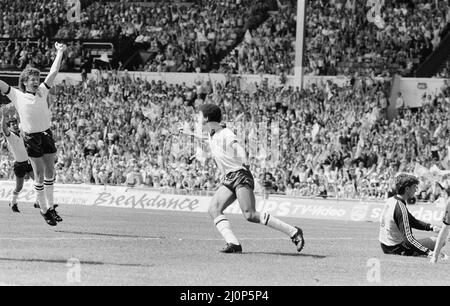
(395, 227)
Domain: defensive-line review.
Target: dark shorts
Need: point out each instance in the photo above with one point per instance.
(399, 249)
(21, 169)
(240, 178)
(38, 144)
(447, 216)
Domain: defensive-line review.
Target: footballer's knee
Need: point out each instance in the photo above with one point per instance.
(39, 177)
(49, 173)
(214, 211)
(251, 216)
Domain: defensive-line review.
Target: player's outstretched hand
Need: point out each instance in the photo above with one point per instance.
(437, 229)
(60, 47)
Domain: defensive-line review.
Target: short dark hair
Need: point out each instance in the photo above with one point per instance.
(404, 181)
(211, 112)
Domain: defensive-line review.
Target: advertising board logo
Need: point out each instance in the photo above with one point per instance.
(359, 212)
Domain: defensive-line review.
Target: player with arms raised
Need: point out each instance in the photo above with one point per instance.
(31, 105)
(238, 183)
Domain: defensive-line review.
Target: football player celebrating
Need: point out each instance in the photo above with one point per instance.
(35, 118)
(237, 184)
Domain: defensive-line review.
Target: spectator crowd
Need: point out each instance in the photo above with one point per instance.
(31, 19)
(444, 73)
(331, 140)
(341, 39)
(269, 49)
(39, 54)
(183, 38)
(235, 36)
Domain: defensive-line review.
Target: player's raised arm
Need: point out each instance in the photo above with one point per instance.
(4, 123)
(4, 88)
(60, 48)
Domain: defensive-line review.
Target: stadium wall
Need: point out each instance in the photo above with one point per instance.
(139, 198)
(190, 79)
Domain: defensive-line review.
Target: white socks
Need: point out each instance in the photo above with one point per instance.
(272, 222)
(14, 198)
(48, 190)
(41, 197)
(224, 227)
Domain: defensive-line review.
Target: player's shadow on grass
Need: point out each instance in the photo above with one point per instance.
(286, 254)
(109, 235)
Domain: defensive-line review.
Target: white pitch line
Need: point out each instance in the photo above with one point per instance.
(173, 238)
(75, 238)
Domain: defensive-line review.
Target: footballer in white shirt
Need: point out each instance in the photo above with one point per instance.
(30, 101)
(22, 165)
(237, 182)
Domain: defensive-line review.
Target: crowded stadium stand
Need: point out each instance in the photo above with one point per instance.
(268, 49)
(227, 36)
(336, 139)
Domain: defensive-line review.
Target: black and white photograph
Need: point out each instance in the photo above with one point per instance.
(221, 149)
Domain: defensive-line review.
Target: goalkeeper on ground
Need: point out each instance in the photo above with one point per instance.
(396, 236)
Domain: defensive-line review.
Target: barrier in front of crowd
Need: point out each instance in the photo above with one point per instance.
(191, 79)
(140, 198)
